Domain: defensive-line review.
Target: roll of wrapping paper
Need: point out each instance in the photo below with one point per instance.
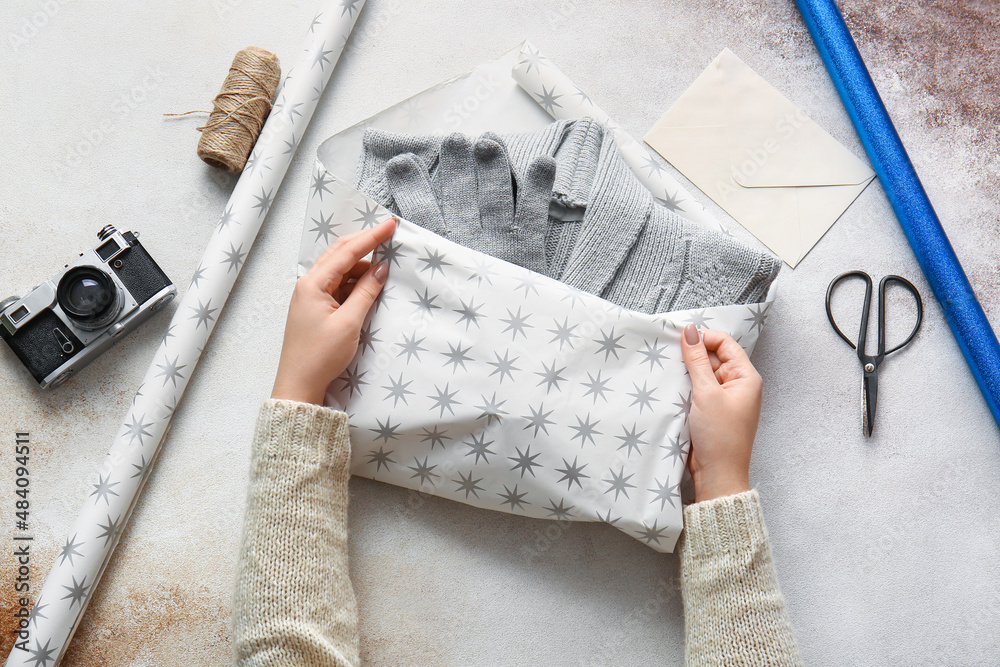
(920, 223)
(81, 560)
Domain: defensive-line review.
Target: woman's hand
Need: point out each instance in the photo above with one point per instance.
(725, 410)
(327, 310)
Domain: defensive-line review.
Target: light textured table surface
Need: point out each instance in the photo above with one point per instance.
(888, 549)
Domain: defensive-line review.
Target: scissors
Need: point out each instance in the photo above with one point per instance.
(870, 364)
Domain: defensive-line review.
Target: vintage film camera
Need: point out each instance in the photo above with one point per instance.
(66, 322)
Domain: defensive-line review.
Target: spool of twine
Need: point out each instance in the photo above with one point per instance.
(240, 109)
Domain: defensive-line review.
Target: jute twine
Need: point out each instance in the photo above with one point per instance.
(240, 109)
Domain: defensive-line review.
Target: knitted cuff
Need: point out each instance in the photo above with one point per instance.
(729, 524)
(311, 434)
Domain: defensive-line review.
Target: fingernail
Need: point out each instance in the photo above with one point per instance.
(381, 271)
(691, 334)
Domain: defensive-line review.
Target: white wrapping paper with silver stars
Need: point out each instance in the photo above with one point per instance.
(486, 383)
(481, 382)
(94, 534)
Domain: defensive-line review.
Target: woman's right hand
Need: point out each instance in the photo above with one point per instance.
(725, 411)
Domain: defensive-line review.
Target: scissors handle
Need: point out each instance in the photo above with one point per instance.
(863, 333)
(908, 286)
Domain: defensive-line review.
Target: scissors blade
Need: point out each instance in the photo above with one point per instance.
(869, 395)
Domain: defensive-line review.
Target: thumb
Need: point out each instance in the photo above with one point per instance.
(366, 290)
(696, 359)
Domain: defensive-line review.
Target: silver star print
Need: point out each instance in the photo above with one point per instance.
(264, 200)
(547, 98)
(503, 366)
(103, 489)
(397, 390)
(699, 319)
(560, 511)
(227, 218)
(423, 471)
(513, 498)
(492, 409)
(434, 261)
(757, 317)
(389, 252)
(198, 275)
(528, 281)
(36, 612)
(348, 7)
(650, 535)
(468, 313)
(481, 270)
(380, 458)
(386, 431)
(411, 347)
(665, 493)
(532, 58)
(538, 419)
(468, 484)
(550, 376)
(367, 217)
(516, 324)
(324, 228)
(585, 430)
(480, 447)
(654, 353)
(171, 371)
(367, 339)
(563, 333)
(137, 429)
(320, 184)
(670, 201)
(203, 313)
(68, 550)
(609, 344)
(43, 654)
(457, 356)
(444, 399)
(111, 530)
(525, 461)
(256, 163)
(352, 380)
(632, 439)
(291, 146)
(425, 302)
(606, 518)
(651, 164)
(584, 98)
(321, 57)
(140, 468)
(434, 435)
(596, 386)
(572, 473)
(643, 397)
(676, 449)
(684, 404)
(619, 482)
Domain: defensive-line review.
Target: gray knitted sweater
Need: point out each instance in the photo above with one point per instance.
(606, 233)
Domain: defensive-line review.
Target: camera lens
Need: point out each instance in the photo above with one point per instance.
(88, 296)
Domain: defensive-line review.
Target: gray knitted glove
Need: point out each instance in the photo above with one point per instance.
(471, 198)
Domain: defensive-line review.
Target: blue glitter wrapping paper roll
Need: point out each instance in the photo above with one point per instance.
(906, 194)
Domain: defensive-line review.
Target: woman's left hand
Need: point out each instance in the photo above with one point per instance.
(326, 313)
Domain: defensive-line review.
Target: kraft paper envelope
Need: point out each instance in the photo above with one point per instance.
(759, 157)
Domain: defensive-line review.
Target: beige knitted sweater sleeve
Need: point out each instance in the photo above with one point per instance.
(734, 613)
(294, 605)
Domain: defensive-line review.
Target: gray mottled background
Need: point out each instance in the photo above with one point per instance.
(888, 549)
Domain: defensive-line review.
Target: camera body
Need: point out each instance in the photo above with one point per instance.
(66, 322)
